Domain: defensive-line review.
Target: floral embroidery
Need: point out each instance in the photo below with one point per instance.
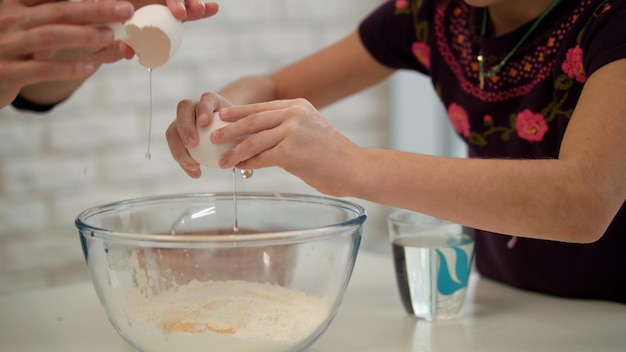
(420, 47)
(573, 64)
(528, 125)
(422, 53)
(459, 119)
(453, 44)
(400, 4)
(531, 127)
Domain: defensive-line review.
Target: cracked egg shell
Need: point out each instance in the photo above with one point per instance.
(206, 152)
(155, 35)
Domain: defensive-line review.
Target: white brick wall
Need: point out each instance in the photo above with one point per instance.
(90, 150)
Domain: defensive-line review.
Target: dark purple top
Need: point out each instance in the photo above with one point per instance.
(23, 104)
(521, 113)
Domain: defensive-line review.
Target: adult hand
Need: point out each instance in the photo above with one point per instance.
(54, 41)
(184, 10)
(33, 31)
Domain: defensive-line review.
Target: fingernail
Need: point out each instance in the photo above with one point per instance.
(88, 68)
(123, 9)
(203, 118)
(107, 35)
(191, 167)
(188, 140)
(215, 136)
(181, 4)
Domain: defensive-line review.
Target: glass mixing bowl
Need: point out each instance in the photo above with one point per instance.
(173, 274)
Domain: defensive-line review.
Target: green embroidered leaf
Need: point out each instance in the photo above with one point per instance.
(563, 82)
(567, 113)
(512, 120)
(477, 139)
(421, 30)
(438, 90)
(506, 135)
(550, 111)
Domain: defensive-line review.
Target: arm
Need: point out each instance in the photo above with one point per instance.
(322, 78)
(32, 33)
(49, 48)
(573, 198)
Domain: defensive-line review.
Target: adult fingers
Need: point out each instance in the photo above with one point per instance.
(52, 38)
(45, 54)
(190, 10)
(23, 73)
(102, 12)
(126, 51)
(29, 2)
(199, 10)
(106, 55)
(178, 8)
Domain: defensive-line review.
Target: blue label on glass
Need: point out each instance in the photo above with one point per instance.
(449, 281)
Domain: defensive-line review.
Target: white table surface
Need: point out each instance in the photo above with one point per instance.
(371, 318)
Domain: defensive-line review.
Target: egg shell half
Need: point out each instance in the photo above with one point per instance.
(206, 152)
(155, 35)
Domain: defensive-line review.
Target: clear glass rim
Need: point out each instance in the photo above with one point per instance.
(358, 219)
(408, 217)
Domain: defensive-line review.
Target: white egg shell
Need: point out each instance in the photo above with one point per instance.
(155, 35)
(119, 33)
(206, 152)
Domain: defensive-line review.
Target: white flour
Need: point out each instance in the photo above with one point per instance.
(218, 315)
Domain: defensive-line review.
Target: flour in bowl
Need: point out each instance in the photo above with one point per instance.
(219, 315)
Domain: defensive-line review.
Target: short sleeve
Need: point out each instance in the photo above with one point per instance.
(604, 39)
(23, 104)
(388, 35)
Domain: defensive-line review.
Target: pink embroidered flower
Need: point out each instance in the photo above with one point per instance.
(573, 64)
(488, 119)
(400, 4)
(531, 127)
(459, 119)
(422, 53)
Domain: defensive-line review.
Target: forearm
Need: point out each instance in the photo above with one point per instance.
(322, 78)
(573, 198)
(547, 199)
(248, 90)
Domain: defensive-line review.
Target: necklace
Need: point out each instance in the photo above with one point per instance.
(495, 69)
